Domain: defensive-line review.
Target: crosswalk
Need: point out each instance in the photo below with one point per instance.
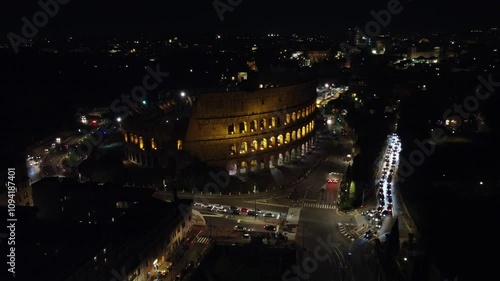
(319, 206)
(202, 240)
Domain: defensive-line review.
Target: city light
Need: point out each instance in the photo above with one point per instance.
(119, 119)
(183, 94)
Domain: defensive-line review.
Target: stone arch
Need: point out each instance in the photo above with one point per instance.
(263, 144)
(303, 130)
(255, 146)
(281, 159)
(243, 147)
(243, 167)
(232, 149)
(294, 116)
(272, 122)
(294, 135)
(253, 125)
(231, 129)
(272, 161)
(299, 134)
(287, 118)
(243, 127)
(287, 138)
(287, 157)
(293, 154)
(280, 140)
(253, 165)
(232, 168)
(303, 150)
(272, 142)
(263, 124)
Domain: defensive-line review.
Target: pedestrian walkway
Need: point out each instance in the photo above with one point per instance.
(345, 232)
(202, 240)
(320, 206)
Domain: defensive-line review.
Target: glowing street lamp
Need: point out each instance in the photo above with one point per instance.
(119, 119)
(183, 94)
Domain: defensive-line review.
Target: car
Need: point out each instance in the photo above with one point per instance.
(233, 208)
(244, 210)
(270, 227)
(269, 215)
(381, 202)
(252, 213)
(246, 235)
(369, 234)
(389, 199)
(239, 228)
(235, 212)
(198, 204)
(378, 224)
(381, 196)
(332, 180)
(385, 213)
(388, 192)
(381, 190)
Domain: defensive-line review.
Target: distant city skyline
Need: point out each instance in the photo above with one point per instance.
(117, 18)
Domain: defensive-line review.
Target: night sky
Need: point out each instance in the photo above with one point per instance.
(154, 17)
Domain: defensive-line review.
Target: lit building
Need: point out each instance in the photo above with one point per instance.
(241, 131)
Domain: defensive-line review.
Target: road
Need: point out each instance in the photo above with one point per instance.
(318, 219)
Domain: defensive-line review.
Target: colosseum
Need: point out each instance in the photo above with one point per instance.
(241, 131)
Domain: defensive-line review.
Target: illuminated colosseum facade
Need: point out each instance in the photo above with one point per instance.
(240, 131)
(250, 131)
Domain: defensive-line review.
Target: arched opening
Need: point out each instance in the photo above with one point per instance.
(263, 144)
(232, 149)
(287, 138)
(280, 140)
(278, 122)
(255, 146)
(271, 161)
(243, 127)
(281, 160)
(294, 116)
(287, 157)
(230, 129)
(141, 143)
(179, 145)
(303, 131)
(253, 125)
(243, 167)
(299, 152)
(262, 164)
(299, 135)
(272, 142)
(263, 124)
(125, 136)
(307, 129)
(293, 154)
(136, 139)
(243, 148)
(253, 165)
(287, 118)
(294, 135)
(232, 168)
(303, 150)
(272, 122)
(307, 111)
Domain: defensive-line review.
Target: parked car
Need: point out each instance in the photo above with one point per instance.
(270, 227)
(252, 213)
(244, 210)
(269, 215)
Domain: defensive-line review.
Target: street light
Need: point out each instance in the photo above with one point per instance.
(119, 119)
(183, 94)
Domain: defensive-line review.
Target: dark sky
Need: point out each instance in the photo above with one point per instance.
(157, 17)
